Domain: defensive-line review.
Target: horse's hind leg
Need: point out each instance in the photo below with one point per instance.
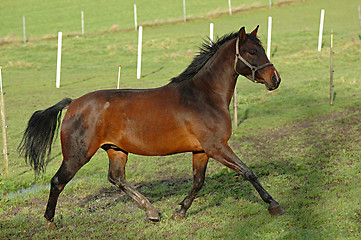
(200, 160)
(65, 173)
(116, 175)
(75, 154)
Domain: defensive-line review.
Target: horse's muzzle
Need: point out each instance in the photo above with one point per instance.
(276, 80)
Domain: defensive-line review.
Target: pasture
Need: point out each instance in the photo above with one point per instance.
(304, 151)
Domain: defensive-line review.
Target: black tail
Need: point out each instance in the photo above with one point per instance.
(39, 135)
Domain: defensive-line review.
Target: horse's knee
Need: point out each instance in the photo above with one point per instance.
(54, 180)
(56, 184)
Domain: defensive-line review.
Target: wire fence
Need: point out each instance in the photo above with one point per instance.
(29, 21)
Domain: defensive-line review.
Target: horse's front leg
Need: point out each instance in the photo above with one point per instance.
(227, 157)
(200, 160)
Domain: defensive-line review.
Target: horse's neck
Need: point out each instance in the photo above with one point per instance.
(218, 75)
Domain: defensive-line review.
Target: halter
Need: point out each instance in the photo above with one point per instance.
(253, 68)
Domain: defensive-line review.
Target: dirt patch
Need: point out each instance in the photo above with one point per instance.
(324, 135)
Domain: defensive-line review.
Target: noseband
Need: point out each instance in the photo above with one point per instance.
(253, 68)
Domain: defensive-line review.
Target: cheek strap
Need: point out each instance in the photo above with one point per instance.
(253, 68)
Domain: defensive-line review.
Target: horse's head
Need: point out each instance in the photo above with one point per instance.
(251, 60)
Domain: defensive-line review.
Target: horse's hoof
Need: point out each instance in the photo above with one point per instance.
(153, 216)
(153, 219)
(51, 225)
(275, 209)
(178, 216)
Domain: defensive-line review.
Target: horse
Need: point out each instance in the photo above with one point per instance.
(188, 114)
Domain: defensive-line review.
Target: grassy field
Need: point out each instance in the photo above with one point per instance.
(45, 19)
(305, 152)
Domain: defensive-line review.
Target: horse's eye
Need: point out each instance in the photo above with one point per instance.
(252, 52)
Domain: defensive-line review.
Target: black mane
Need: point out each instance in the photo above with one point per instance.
(206, 51)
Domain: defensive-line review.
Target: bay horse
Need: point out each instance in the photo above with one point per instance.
(189, 114)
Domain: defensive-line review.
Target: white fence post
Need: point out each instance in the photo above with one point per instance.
(58, 63)
(24, 32)
(135, 18)
(321, 30)
(184, 11)
(269, 37)
(120, 67)
(82, 22)
(230, 7)
(211, 27)
(139, 64)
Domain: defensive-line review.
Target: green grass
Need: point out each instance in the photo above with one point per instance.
(305, 152)
(45, 18)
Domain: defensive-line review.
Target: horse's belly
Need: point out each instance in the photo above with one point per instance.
(155, 143)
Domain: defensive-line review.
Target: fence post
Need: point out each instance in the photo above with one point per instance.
(331, 70)
(321, 30)
(211, 27)
(119, 74)
(5, 145)
(235, 115)
(139, 62)
(269, 37)
(230, 7)
(24, 30)
(184, 11)
(135, 18)
(58, 62)
(359, 18)
(82, 22)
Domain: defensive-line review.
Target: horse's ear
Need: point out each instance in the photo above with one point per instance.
(242, 34)
(254, 32)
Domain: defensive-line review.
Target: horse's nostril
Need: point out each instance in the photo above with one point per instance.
(276, 80)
